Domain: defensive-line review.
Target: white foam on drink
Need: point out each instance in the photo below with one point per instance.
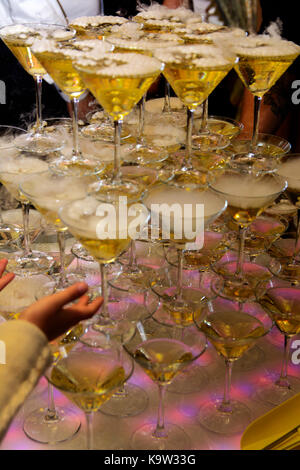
(160, 12)
(76, 50)
(86, 21)
(127, 29)
(264, 45)
(21, 165)
(290, 170)
(127, 64)
(147, 43)
(246, 192)
(196, 55)
(20, 30)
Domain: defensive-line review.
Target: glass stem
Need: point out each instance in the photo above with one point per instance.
(25, 212)
(89, 430)
(76, 150)
(242, 235)
(132, 258)
(297, 237)
(101, 7)
(179, 272)
(283, 379)
(51, 415)
(226, 403)
(62, 269)
(190, 121)
(204, 119)
(167, 99)
(140, 139)
(38, 79)
(104, 290)
(257, 107)
(160, 430)
(117, 160)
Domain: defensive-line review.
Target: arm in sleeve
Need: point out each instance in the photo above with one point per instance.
(24, 356)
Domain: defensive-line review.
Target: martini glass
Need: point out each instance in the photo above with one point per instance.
(8, 232)
(146, 149)
(48, 191)
(181, 215)
(162, 353)
(13, 171)
(193, 72)
(58, 61)
(88, 377)
(118, 81)
(289, 169)
(232, 331)
(104, 231)
(262, 61)
(283, 304)
(19, 39)
(247, 195)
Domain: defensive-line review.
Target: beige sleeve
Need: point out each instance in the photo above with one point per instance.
(24, 356)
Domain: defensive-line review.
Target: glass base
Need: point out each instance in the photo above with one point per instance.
(189, 178)
(132, 401)
(190, 380)
(101, 333)
(76, 166)
(253, 162)
(143, 438)
(80, 252)
(107, 191)
(208, 142)
(34, 263)
(275, 394)
(103, 131)
(39, 143)
(144, 154)
(70, 279)
(51, 431)
(221, 422)
(131, 278)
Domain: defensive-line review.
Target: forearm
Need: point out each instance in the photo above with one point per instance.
(25, 356)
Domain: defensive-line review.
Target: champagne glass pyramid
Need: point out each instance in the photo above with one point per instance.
(19, 38)
(119, 81)
(193, 72)
(247, 195)
(58, 61)
(262, 61)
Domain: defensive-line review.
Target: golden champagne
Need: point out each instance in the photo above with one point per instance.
(163, 358)
(87, 378)
(283, 304)
(26, 58)
(263, 60)
(64, 344)
(231, 332)
(119, 81)
(104, 251)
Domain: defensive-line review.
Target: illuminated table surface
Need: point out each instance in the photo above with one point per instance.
(114, 433)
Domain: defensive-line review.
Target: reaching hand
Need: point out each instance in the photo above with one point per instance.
(52, 315)
(7, 278)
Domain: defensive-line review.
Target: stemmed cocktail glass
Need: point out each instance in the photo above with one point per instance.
(193, 72)
(19, 39)
(103, 230)
(283, 301)
(48, 191)
(163, 353)
(247, 195)
(58, 61)
(262, 61)
(232, 331)
(13, 171)
(89, 377)
(118, 81)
